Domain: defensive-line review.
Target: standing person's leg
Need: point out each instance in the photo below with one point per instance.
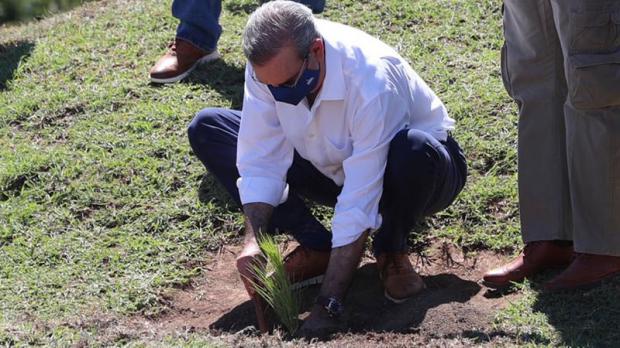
(199, 22)
(588, 31)
(533, 74)
(422, 177)
(196, 40)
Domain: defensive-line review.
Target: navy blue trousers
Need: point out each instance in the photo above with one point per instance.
(422, 177)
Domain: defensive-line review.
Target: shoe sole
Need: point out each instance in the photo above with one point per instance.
(395, 300)
(585, 287)
(215, 55)
(401, 300)
(308, 282)
(498, 286)
(502, 286)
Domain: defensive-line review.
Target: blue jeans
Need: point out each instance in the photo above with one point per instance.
(199, 20)
(422, 177)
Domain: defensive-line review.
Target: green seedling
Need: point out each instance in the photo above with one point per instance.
(273, 285)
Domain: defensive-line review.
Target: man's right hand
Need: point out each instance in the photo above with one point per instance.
(256, 221)
(247, 260)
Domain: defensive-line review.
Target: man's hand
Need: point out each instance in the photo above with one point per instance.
(248, 259)
(256, 221)
(343, 262)
(318, 324)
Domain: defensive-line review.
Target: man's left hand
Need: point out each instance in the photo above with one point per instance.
(318, 324)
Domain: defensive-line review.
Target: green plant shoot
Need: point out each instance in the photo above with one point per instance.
(273, 285)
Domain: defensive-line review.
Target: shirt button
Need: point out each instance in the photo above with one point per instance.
(311, 135)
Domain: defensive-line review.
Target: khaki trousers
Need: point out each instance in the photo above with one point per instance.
(561, 64)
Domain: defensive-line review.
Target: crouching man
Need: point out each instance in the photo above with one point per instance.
(336, 116)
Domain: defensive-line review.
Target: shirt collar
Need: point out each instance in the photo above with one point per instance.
(333, 85)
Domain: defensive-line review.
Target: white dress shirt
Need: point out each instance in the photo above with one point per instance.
(369, 94)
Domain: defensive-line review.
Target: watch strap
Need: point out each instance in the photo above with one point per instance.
(333, 307)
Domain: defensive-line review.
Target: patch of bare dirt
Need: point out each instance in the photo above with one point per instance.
(453, 310)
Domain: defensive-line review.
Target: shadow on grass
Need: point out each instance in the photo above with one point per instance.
(11, 54)
(584, 317)
(484, 337)
(210, 190)
(367, 310)
(225, 78)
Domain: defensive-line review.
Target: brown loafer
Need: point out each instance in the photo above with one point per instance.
(182, 57)
(400, 280)
(305, 267)
(586, 271)
(536, 257)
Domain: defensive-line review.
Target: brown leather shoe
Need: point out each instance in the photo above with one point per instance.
(306, 267)
(536, 257)
(303, 266)
(586, 270)
(400, 280)
(182, 57)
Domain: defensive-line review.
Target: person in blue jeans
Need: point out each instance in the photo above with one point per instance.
(196, 39)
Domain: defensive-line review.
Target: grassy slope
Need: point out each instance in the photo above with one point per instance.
(99, 202)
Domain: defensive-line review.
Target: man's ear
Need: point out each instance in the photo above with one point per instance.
(317, 46)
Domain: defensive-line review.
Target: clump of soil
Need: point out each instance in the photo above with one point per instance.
(453, 307)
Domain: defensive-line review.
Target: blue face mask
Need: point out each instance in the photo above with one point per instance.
(294, 94)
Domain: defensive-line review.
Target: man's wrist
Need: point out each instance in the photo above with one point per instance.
(331, 305)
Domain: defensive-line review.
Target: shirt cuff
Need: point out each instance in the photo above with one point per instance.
(260, 189)
(348, 226)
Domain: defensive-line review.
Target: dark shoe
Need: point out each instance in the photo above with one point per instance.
(306, 267)
(182, 57)
(400, 280)
(536, 257)
(586, 270)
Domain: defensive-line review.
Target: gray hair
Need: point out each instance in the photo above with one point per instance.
(277, 24)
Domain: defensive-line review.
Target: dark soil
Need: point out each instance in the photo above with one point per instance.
(454, 309)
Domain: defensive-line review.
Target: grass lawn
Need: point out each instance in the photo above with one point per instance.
(103, 206)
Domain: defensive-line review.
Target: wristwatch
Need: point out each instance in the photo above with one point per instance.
(333, 307)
